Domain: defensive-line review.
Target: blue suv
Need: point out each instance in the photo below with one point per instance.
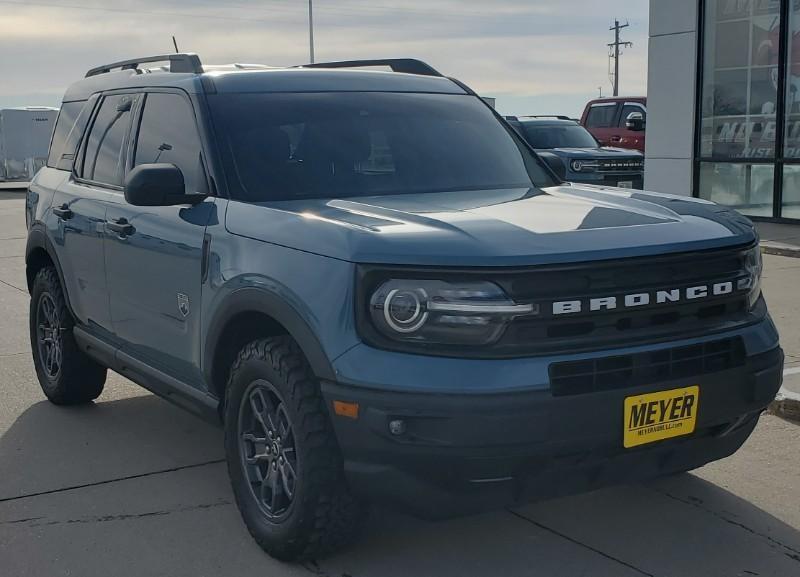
(383, 293)
(576, 156)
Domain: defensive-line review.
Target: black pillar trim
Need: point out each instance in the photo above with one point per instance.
(780, 111)
(698, 97)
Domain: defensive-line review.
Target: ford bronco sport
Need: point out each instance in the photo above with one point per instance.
(575, 156)
(383, 293)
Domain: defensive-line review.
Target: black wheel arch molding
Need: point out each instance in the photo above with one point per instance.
(38, 240)
(261, 301)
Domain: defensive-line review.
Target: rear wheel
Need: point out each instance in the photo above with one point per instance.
(67, 376)
(283, 459)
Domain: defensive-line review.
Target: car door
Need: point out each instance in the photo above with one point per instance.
(632, 139)
(601, 121)
(79, 207)
(154, 253)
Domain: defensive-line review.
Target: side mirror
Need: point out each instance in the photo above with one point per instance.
(635, 121)
(157, 185)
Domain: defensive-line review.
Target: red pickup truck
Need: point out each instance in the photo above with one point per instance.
(618, 121)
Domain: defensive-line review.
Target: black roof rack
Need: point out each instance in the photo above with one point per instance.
(186, 62)
(558, 116)
(405, 65)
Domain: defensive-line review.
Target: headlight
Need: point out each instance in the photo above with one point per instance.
(443, 312)
(584, 165)
(752, 282)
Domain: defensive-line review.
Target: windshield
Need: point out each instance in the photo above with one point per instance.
(322, 145)
(565, 135)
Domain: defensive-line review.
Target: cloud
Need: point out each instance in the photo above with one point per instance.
(519, 50)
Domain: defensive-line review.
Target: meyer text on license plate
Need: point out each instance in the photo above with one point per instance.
(661, 415)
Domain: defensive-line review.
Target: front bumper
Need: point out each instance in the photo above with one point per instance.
(635, 180)
(463, 453)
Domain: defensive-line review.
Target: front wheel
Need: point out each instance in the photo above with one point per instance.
(67, 376)
(283, 459)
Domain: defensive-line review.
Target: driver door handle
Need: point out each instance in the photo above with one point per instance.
(121, 226)
(63, 212)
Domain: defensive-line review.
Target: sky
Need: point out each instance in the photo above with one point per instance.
(534, 56)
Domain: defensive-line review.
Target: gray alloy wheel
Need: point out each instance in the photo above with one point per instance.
(49, 341)
(268, 455)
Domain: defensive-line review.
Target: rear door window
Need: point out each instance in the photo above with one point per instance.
(601, 116)
(69, 128)
(168, 134)
(105, 147)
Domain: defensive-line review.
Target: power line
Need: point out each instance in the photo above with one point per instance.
(283, 6)
(132, 11)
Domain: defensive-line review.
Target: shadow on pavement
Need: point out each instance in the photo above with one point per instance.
(49, 447)
(679, 526)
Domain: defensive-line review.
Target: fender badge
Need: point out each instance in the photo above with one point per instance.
(183, 304)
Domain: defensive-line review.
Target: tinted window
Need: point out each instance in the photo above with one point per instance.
(68, 131)
(321, 145)
(601, 116)
(629, 108)
(104, 158)
(168, 133)
(557, 135)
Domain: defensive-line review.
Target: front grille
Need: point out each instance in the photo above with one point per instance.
(621, 165)
(547, 332)
(625, 371)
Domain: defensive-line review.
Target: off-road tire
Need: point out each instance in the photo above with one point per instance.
(79, 379)
(323, 516)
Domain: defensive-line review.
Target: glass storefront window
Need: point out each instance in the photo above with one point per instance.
(792, 126)
(791, 191)
(746, 187)
(740, 79)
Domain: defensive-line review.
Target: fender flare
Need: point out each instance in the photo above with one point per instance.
(253, 299)
(38, 239)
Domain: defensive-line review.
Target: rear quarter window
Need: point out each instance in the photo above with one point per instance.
(69, 128)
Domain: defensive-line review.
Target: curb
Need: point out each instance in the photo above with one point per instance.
(787, 401)
(786, 405)
(780, 249)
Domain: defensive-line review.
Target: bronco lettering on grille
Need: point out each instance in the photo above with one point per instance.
(642, 298)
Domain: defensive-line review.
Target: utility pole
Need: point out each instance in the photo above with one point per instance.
(614, 51)
(311, 31)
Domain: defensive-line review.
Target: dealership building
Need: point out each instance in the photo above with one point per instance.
(724, 103)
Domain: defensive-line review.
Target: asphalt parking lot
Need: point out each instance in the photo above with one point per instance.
(134, 486)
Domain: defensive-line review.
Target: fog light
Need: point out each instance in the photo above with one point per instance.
(397, 427)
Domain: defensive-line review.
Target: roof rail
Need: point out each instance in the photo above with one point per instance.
(182, 62)
(558, 116)
(405, 65)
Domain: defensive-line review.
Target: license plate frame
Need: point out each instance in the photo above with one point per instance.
(660, 415)
(625, 184)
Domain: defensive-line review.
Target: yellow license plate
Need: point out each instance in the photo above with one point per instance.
(662, 415)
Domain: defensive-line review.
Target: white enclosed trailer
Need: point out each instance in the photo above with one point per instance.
(24, 141)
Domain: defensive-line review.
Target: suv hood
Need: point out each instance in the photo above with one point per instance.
(605, 152)
(508, 227)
